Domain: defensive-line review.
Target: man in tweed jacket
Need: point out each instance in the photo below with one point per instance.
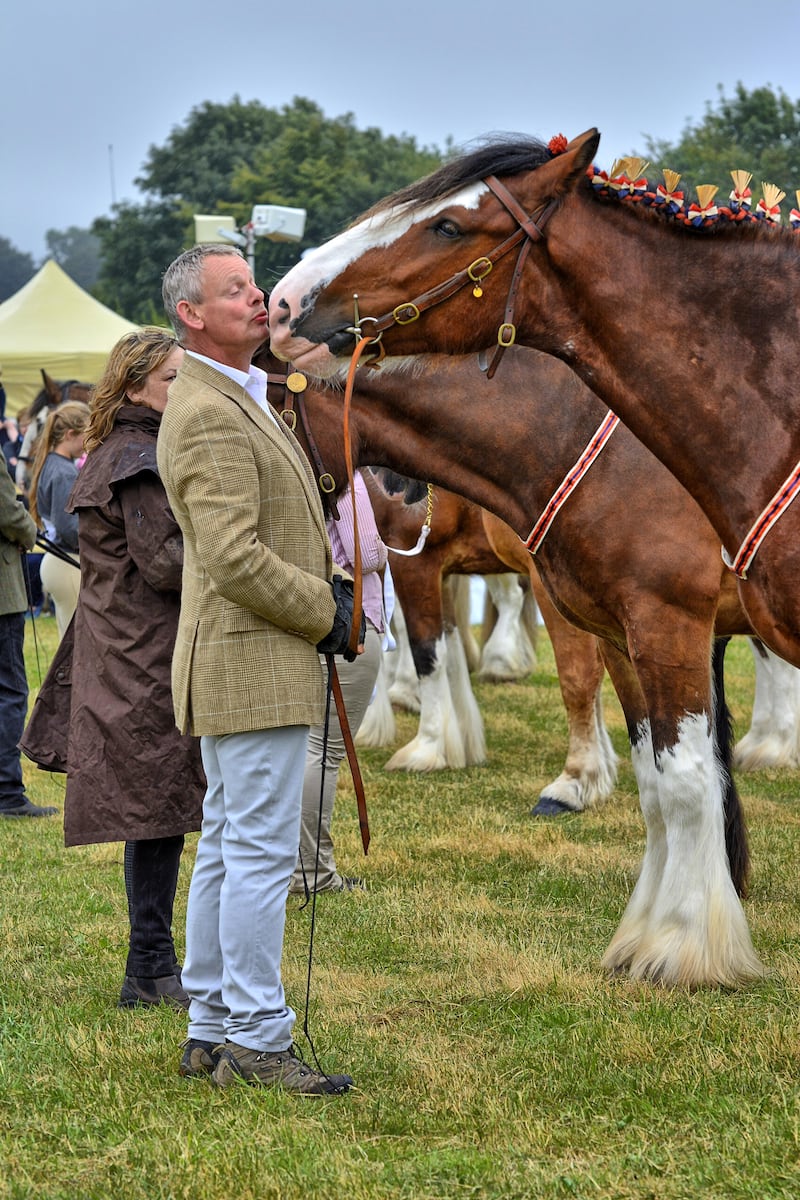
(17, 534)
(256, 601)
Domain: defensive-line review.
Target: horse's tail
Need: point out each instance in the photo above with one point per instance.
(736, 842)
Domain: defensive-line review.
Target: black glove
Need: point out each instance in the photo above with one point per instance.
(336, 642)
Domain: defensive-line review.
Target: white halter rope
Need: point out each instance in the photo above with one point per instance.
(570, 482)
(777, 506)
(423, 533)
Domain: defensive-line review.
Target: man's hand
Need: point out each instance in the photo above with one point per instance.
(337, 641)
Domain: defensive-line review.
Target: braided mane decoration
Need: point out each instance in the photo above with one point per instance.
(627, 181)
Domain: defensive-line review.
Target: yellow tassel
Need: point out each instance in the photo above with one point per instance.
(772, 194)
(671, 179)
(741, 181)
(635, 167)
(706, 193)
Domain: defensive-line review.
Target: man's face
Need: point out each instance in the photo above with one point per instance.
(232, 313)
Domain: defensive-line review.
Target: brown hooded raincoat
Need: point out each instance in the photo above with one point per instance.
(105, 711)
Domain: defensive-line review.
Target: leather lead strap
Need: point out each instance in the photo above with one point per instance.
(352, 758)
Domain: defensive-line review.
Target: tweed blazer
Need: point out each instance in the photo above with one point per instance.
(17, 532)
(256, 596)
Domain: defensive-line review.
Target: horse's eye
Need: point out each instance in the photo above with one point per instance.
(447, 228)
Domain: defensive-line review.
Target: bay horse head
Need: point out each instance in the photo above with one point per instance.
(444, 238)
(55, 392)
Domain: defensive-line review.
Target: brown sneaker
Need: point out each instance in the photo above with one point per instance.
(279, 1068)
(199, 1058)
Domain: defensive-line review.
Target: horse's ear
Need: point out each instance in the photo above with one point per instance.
(50, 385)
(561, 174)
(585, 147)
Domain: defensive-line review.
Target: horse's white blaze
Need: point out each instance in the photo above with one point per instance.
(378, 728)
(300, 286)
(326, 262)
(773, 739)
(684, 923)
(439, 742)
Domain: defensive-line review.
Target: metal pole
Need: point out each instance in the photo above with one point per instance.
(251, 247)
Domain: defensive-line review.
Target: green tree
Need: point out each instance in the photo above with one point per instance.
(328, 167)
(16, 268)
(757, 131)
(137, 245)
(199, 158)
(77, 251)
(226, 158)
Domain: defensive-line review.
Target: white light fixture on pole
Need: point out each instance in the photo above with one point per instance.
(271, 221)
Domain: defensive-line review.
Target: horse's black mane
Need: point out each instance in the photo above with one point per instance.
(507, 154)
(512, 154)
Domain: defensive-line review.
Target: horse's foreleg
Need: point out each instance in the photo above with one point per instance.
(590, 770)
(438, 742)
(378, 728)
(403, 680)
(507, 652)
(632, 928)
(460, 588)
(685, 924)
(773, 739)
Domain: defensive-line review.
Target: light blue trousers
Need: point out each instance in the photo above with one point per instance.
(237, 897)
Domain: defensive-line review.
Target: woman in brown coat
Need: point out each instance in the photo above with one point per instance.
(130, 774)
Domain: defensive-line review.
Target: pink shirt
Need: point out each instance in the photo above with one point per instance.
(373, 551)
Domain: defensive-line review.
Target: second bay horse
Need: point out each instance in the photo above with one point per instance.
(630, 558)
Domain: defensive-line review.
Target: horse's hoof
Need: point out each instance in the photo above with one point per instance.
(546, 806)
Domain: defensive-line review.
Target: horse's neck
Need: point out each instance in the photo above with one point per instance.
(681, 350)
(505, 444)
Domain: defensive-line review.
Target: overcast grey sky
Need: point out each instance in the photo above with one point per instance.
(78, 79)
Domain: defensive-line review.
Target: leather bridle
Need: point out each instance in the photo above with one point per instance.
(529, 230)
(290, 408)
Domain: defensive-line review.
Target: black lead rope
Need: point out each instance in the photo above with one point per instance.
(57, 552)
(312, 895)
(27, 573)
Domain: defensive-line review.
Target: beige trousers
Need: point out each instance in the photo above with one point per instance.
(62, 582)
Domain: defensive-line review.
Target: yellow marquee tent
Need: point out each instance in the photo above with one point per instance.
(52, 323)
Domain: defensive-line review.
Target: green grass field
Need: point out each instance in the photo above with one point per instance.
(462, 990)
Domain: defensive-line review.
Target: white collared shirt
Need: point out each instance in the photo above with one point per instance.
(253, 381)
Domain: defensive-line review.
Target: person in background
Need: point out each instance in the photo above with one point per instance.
(258, 597)
(17, 534)
(52, 479)
(316, 867)
(131, 776)
(13, 433)
(45, 403)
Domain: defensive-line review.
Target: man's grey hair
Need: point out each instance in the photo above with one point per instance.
(183, 279)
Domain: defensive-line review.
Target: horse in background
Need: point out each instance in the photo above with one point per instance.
(464, 539)
(52, 394)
